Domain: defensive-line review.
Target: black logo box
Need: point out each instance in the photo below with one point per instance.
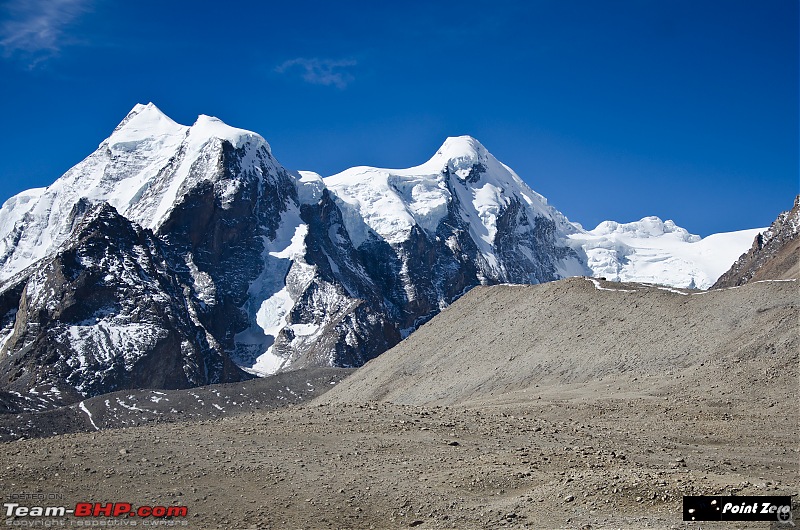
(744, 508)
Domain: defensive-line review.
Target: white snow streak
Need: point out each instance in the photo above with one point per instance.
(82, 406)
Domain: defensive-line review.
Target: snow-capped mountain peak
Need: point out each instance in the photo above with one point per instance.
(211, 127)
(145, 130)
(145, 121)
(460, 154)
(143, 170)
(149, 123)
(461, 188)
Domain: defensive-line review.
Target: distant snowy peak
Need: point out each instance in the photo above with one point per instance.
(148, 122)
(145, 122)
(460, 154)
(645, 228)
(654, 251)
(467, 159)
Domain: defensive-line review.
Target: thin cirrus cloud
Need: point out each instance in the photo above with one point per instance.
(34, 30)
(317, 71)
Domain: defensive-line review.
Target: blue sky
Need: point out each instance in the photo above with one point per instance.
(612, 110)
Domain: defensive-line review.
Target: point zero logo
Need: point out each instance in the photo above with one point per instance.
(744, 508)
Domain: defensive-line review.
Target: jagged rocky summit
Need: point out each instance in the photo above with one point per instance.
(176, 256)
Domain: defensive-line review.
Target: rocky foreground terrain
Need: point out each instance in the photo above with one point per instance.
(130, 408)
(676, 394)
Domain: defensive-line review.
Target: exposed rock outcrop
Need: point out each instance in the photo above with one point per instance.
(775, 254)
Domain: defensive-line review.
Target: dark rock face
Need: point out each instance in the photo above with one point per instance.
(773, 256)
(337, 297)
(516, 244)
(224, 241)
(107, 313)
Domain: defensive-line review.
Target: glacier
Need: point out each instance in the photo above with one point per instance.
(660, 252)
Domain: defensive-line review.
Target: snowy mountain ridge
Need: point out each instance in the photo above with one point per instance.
(388, 203)
(257, 268)
(142, 170)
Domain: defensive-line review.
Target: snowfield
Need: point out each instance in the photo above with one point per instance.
(659, 252)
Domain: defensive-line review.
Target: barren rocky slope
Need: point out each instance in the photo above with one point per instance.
(614, 404)
(775, 253)
(497, 343)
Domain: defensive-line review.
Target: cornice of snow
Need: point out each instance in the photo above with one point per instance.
(459, 153)
(211, 127)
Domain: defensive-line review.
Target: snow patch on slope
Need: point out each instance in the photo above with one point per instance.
(383, 202)
(273, 296)
(82, 406)
(15, 208)
(104, 342)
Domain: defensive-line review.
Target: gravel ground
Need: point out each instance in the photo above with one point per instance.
(539, 444)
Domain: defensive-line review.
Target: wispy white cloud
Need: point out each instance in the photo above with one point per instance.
(34, 30)
(317, 71)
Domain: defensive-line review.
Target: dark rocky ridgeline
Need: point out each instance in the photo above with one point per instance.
(775, 254)
(342, 300)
